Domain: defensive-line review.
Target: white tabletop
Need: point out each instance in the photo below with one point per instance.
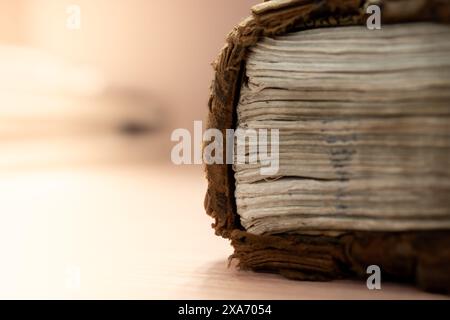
(131, 232)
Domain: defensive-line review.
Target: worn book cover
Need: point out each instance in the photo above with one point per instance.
(363, 123)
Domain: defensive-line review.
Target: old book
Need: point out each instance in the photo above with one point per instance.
(364, 141)
(364, 125)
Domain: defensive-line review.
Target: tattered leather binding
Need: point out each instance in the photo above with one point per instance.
(364, 119)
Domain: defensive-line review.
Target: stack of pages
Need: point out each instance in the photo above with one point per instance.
(364, 122)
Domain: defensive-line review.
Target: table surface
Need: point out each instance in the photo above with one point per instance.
(132, 232)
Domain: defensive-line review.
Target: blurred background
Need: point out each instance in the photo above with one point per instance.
(84, 81)
(90, 91)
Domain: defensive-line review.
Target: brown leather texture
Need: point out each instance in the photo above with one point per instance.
(417, 257)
